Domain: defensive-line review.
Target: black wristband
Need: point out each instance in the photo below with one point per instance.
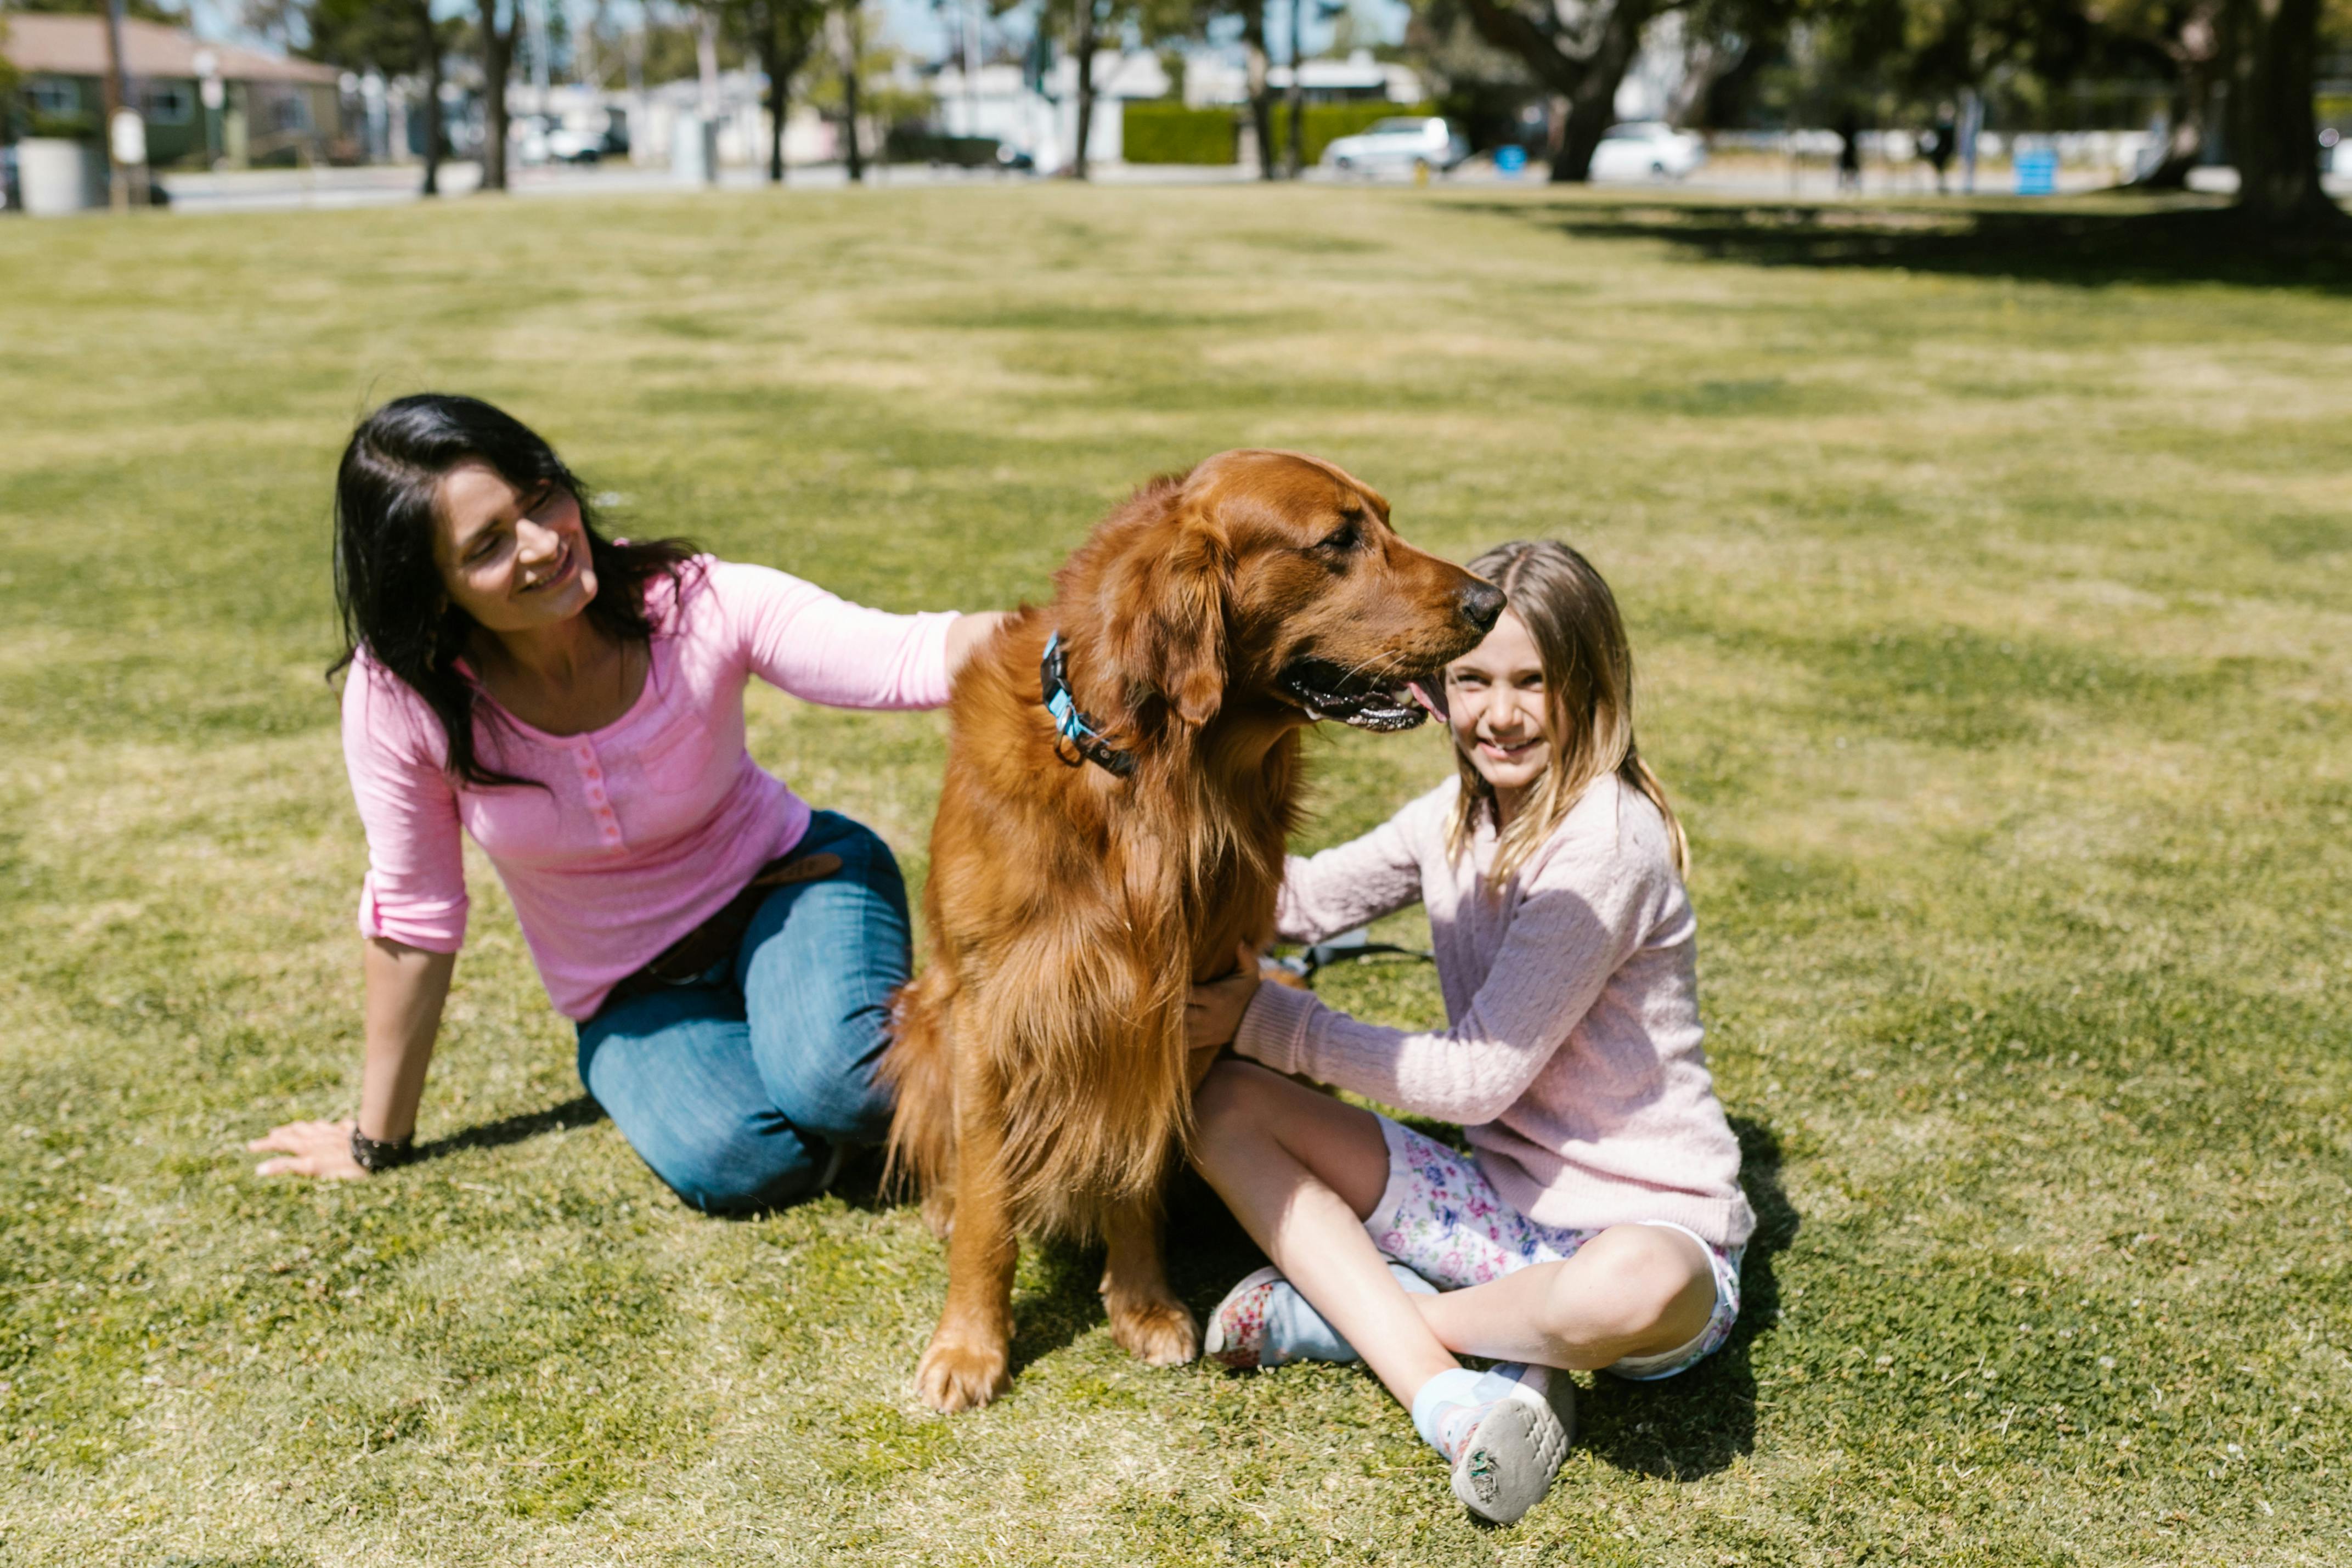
(372, 1155)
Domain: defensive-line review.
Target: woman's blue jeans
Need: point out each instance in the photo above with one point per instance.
(735, 1088)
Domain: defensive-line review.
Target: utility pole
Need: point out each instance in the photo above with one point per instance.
(126, 141)
(539, 54)
(971, 31)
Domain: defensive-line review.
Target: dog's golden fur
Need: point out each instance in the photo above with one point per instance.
(1039, 1060)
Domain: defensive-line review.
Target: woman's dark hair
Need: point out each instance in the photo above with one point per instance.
(388, 585)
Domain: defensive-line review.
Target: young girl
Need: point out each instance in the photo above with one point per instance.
(1599, 1221)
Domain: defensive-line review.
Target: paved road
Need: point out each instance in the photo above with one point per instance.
(283, 190)
(286, 190)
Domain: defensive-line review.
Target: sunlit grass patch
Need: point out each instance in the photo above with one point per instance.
(1992, 640)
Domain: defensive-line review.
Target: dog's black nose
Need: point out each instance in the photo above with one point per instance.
(1482, 605)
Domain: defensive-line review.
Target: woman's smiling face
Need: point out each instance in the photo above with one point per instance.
(1495, 701)
(514, 560)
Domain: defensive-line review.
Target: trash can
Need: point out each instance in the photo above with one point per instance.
(57, 175)
(694, 150)
(2037, 170)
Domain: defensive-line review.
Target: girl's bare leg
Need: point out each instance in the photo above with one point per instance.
(1633, 1290)
(1301, 1170)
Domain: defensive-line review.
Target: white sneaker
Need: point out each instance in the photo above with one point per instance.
(1516, 1445)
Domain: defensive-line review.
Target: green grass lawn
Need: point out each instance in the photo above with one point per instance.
(1992, 610)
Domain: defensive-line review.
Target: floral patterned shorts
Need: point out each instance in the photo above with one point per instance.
(1440, 1217)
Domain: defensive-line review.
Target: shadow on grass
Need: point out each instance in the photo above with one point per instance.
(2074, 243)
(1055, 1300)
(1696, 1424)
(578, 1112)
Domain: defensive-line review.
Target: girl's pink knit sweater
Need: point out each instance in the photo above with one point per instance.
(1572, 1055)
(631, 836)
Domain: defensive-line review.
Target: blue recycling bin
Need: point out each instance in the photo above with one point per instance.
(2037, 172)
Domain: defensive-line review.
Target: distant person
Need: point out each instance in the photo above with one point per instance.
(1937, 143)
(1849, 159)
(1598, 1221)
(575, 705)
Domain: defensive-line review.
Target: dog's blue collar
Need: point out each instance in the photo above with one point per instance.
(1077, 728)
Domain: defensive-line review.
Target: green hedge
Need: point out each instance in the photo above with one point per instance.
(913, 144)
(1172, 133)
(1327, 122)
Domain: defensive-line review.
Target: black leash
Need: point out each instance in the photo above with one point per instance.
(1324, 954)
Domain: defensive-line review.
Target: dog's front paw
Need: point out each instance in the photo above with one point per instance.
(956, 1373)
(1159, 1334)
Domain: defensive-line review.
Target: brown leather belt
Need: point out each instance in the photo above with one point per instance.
(696, 953)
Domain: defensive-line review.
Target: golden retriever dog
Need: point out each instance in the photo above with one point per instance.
(1123, 775)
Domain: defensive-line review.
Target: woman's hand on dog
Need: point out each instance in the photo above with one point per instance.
(967, 632)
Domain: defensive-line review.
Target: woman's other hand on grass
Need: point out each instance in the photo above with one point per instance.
(319, 1149)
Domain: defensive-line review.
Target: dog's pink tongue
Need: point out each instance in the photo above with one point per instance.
(1423, 697)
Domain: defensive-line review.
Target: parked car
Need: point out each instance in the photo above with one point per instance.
(1647, 150)
(545, 139)
(1404, 145)
(907, 143)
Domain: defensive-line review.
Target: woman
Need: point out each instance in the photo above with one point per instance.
(576, 705)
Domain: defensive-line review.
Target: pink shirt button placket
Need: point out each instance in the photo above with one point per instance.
(591, 779)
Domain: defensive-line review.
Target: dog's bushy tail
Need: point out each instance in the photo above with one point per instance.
(921, 1075)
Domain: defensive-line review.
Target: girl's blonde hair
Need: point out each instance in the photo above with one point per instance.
(1588, 671)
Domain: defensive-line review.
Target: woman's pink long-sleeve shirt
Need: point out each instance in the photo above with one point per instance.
(646, 827)
(1572, 1056)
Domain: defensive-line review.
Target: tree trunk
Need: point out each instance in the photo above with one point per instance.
(2273, 136)
(1261, 98)
(2184, 143)
(1590, 114)
(771, 55)
(1085, 87)
(1293, 151)
(1706, 60)
(114, 96)
(1586, 70)
(430, 46)
(854, 154)
(2195, 49)
(498, 59)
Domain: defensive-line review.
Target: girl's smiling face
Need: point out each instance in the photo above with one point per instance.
(514, 562)
(1495, 702)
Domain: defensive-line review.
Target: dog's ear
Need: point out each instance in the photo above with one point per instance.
(1167, 613)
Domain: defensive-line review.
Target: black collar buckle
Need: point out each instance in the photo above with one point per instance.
(1077, 728)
